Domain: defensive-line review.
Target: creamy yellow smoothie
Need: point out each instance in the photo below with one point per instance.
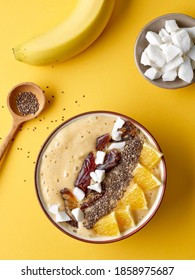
(66, 152)
(61, 161)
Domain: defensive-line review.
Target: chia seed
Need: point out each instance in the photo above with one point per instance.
(27, 103)
(116, 182)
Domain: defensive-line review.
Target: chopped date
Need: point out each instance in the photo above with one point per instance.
(112, 159)
(102, 141)
(70, 203)
(92, 197)
(66, 193)
(83, 178)
(69, 198)
(128, 131)
(73, 223)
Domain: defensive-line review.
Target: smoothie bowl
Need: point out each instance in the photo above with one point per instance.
(100, 177)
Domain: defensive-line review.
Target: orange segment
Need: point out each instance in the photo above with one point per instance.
(134, 197)
(107, 225)
(144, 178)
(150, 156)
(124, 219)
(137, 198)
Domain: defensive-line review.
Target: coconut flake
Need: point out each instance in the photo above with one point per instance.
(169, 76)
(156, 55)
(171, 52)
(116, 134)
(53, 208)
(95, 187)
(153, 38)
(118, 146)
(93, 176)
(171, 26)
(191, 53)
(191, 31)
(182, 40)
(61, 216)
(100, 155)
(185, 71)
(100, 174)
(78, 193)
(78, 214)
(173, 64)
(144, 59)
(152, 73)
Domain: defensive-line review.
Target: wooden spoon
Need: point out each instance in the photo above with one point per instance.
(17, 116)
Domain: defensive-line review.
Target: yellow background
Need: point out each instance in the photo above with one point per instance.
(102, 77)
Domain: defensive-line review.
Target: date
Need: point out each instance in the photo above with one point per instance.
(102, 141)
(83, 178)
(112, 159)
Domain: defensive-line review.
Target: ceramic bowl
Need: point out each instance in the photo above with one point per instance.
(141, 43)
(38, 180)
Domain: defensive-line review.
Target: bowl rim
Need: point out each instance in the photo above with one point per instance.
(137, 228)
(164, 85)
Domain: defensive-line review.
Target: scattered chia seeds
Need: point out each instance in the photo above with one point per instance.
(27, 103)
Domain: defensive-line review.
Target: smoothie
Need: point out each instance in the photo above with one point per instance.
(86, 169)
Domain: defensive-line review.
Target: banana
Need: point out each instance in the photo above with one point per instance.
(70, 37)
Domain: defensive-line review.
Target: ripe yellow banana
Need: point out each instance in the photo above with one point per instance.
(69, 38)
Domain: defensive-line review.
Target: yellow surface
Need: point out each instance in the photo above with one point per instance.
(102, 77)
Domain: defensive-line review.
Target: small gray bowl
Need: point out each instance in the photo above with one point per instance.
(141, 43)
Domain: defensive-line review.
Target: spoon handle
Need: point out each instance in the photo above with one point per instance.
(4, 145)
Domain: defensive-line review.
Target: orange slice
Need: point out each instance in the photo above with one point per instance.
(134, 197)
(124, 219)
(144, 178)
(137, 198)
(150, 156)
(107, 225)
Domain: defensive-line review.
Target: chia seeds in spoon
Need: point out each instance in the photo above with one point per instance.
(27, 103)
